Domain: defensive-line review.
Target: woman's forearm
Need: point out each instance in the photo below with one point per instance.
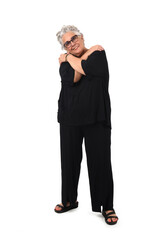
(75, 62)
(78, 75)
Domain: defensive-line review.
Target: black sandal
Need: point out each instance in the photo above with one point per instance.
(108, 216)
(67, 208)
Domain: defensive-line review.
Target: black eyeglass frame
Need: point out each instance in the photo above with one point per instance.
(72, 40)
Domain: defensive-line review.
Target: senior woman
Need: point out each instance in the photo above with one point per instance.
(84, 113)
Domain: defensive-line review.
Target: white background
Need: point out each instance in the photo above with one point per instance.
(30, 177)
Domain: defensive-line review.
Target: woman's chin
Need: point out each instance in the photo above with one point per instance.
(78, 52)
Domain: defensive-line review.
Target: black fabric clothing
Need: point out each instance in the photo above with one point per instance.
(97, 140)
(86, 101)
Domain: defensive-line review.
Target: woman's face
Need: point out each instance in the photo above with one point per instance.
(76, 48)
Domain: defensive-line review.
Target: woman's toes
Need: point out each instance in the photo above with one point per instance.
(109, 220)
(58, 208)
(114, 219)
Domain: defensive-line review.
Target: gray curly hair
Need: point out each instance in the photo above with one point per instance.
(65, 29)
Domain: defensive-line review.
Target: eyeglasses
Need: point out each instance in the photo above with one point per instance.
(74, 39)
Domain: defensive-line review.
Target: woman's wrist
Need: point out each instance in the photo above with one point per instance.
(66, 56)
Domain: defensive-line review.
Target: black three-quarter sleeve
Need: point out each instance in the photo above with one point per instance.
(67, 74)
(95, 64)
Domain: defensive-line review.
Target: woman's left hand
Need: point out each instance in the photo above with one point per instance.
(62, 58)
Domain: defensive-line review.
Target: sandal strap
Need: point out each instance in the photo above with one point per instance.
(76, 203)
(60, 206)
(111, 217)
(107, 214)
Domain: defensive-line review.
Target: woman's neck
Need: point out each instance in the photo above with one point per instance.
(84, 50)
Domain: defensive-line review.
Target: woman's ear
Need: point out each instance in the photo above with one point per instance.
(81, 35)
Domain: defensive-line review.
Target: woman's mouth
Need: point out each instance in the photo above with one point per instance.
(75, 48)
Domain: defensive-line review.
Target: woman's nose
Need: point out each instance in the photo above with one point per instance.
(72, 44)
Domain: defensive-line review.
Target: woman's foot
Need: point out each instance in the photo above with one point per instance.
(59, 208)
(111, 217)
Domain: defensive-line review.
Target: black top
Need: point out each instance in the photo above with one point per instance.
(86, 101)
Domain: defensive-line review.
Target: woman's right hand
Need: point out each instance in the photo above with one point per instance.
(95, 48)
(91, 50)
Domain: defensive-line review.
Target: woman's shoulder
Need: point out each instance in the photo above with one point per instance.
(64, 66)
(97, 53)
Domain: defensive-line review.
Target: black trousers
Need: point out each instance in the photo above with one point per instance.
(97, 140)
